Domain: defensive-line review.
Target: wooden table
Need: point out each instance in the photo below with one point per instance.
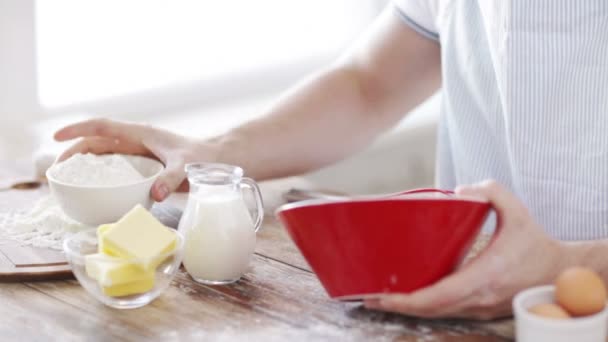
(278, 299)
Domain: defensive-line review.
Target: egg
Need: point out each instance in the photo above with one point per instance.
(580, 291)
(549, 310)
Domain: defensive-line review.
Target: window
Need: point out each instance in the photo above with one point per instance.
(92, 51)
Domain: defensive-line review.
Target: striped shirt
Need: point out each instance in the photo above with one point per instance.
(525, 101)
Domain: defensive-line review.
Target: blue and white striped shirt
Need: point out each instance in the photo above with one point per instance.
(525, 101)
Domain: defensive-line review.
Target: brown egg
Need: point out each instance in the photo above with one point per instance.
(549, 310)
(580, 291)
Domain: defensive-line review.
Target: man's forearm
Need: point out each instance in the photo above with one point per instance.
(319, 122)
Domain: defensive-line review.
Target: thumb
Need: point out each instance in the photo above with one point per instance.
(506, 204)
(168, 181)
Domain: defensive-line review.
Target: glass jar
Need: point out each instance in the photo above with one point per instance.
(218, 227)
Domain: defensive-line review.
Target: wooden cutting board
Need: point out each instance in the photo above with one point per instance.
(24, 263)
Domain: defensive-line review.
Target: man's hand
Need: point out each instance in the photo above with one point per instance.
(101, 136)
(520, 255)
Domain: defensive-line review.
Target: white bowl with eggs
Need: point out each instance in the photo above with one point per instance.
(96, 204)
(531, 327)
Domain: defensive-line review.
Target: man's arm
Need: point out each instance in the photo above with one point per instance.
(341, 109)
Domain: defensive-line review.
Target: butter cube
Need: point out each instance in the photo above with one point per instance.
(138, 235)
(136, 287)
(111, 271)
(101, 230)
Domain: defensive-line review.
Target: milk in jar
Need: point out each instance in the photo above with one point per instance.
(217, 225)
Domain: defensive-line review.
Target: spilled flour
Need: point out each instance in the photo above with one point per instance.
(45, 225)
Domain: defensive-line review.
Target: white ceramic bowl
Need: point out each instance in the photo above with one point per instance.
(77, 246)
(95, 205)
(533, 328)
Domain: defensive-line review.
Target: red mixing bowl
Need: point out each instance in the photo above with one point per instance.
(391, 244)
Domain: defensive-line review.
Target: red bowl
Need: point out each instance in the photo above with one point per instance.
(392, 244)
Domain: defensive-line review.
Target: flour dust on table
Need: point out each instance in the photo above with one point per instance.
(45, 225)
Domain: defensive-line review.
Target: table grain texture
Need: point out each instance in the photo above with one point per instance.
(278, 299)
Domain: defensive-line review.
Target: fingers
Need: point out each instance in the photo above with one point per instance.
(446, 297)
(170, 180)
(468, 311)
(101, 128)
(100, 145)
(400, 304)
(107, 136)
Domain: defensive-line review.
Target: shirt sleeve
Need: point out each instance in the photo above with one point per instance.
(420, 15)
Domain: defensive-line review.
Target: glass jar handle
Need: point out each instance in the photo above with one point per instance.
(259, 203)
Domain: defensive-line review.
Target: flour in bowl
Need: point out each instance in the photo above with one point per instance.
(95, 170)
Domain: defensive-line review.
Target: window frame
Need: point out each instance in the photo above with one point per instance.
(18, 83)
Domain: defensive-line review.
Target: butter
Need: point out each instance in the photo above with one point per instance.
(128, 289)
(138, 235)
(101, 230)
(110, 271)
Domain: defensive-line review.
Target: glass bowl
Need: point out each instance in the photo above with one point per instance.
(82, 245)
